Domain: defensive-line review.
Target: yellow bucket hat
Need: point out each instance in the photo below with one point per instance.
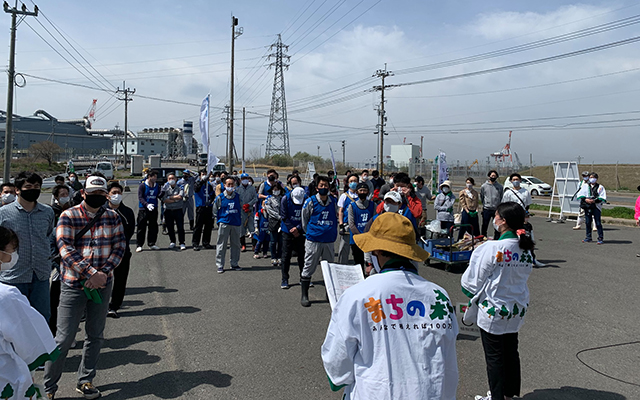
(393, 233)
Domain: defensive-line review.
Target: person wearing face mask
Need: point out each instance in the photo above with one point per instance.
(362, 352)
(345, 199)
(172, 196)
(491, 196)
(443, 204)
(121, 273)
(584, 181)
(271, 206)
(424, 194)
(468, 206)
(359, 213)
(292, 234)
(7, 193)
(272, 178)
(34, 223)
(592, 196)
(384, 189)
(365, 178)
(148, 193)
(61, 202)
(188, 182)
(402, 185)
(92, 244)
(203, 195)
(226, 208)
(25, 343)
(335, 183)
(496, 283)
(320, 224)
(248, 198)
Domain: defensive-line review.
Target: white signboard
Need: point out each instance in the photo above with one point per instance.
(311, 168)
(565, 188)
(338, 278)
(463, 327)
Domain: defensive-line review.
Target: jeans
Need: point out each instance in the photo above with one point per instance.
(174, 216)
(290, 244)
(276, 245)
(120, 275)
(73, 303)
(204, 224)
(473, 221)
(503, 364)
(231, 232)
(594, 215)
(147, 218)
(38, 294)
(487, 214)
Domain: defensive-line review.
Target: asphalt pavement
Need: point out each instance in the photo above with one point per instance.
(187, 332)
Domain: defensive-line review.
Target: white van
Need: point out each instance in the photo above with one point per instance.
(106, 168)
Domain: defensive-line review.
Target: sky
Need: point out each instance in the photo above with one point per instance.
(578, 105)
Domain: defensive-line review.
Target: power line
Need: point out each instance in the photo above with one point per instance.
(297, 17)
(323, 18)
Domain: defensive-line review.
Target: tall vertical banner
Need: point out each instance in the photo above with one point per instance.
(212, 160)
(443, 172)
(333, 161)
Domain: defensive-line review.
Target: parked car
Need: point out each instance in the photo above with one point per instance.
(535, 186)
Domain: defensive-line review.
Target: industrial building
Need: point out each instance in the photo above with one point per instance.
(169, 142)
(404, 154)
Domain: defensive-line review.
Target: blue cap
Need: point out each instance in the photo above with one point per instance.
(244, 175)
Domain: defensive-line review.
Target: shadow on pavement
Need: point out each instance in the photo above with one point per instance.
(113, 359)
(160, 311)
(167, 385)
(572, 393)
(132, 303)
(126, 341)
(617, 241)
(149, 289)
(550, 263)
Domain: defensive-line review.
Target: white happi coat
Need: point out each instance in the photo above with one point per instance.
(393, 336)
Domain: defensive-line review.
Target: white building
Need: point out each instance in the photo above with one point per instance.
(147, 145)
(402, 154)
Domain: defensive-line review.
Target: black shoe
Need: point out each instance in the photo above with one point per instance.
(191, 225)
(113, 314)
(88, 390)
(196, 247)
(208, 246)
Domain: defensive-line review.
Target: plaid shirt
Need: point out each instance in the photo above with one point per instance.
(100, 249)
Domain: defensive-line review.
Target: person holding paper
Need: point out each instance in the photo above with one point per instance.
(92, 243)
(496, 283)
(320, 223)
(393, 335)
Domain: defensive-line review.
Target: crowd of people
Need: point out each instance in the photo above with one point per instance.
(70, 261)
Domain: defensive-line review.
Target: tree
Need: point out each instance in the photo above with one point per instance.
(7, 392)
(45, 150)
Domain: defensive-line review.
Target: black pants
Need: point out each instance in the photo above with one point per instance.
(358, 255)
(120, 275)
(290, 244)
(150, 219)
(487, 214)
(204, 225)
(503, 364)
(473, 221)
(175, 216)
(54, 299)
(594, 215)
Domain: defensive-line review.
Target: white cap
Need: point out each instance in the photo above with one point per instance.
(297, 195)
(95, 183)
(393, 195)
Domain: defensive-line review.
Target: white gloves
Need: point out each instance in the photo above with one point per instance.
(150, 207)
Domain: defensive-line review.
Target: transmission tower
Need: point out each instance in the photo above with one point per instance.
(278, 134)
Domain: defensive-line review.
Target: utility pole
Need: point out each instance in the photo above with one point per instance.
(343, 153)
(234, 34)
(226, 119)
(127, 92)
(244, 117)
(381, 73)
(8, 130)
(318, 151)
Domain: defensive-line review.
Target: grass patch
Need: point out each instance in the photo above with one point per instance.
(619, 212)
(543, 208)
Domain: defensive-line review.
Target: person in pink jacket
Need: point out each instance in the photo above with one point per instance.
(637, 214)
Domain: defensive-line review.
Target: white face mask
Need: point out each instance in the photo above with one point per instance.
(496, 227)
(63, 200)
(72, 179)
(391, 181)
(516, 184)
(245, 182)
(295, 186)
(218, 180)
(276, 193)
(115, 199)
(172, 182)
(391, 207)
(469, 185)
(445, 190)
(8, 198)
(593, 180)
(365, 178)
(374, 261)
(8, 265)
(230, 189)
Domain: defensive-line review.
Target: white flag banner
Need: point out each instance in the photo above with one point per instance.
(443, 171)
(212, 160)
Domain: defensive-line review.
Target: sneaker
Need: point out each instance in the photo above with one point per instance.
(183, 247)
(220, 270)
(237, 268)
(196, 247)
(284, 284)
(154, 247)
(112, 314)
(600, 242)
(310, 284)
(487, 397)
(279, 261)
(172, 245)
(88, 390)
(208, 246)
(587, 241)
(138, 249)
(274, 262)
(257, 256)
(577, 228)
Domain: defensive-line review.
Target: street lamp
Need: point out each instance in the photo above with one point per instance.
(262, 144)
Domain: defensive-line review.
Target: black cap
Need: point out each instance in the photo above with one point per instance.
(362, 185)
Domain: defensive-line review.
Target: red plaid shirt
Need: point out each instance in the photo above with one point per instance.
(100, 249)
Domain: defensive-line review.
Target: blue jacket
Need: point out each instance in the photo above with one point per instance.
(290, 214)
